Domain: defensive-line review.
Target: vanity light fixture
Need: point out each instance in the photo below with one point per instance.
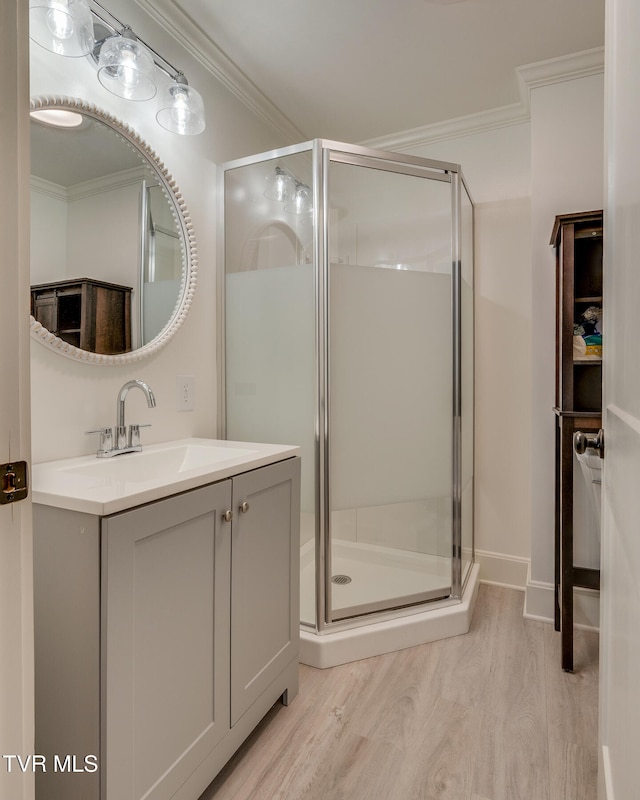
(301, 200)
(285, 188)
(127, 66)
(281, 186)
(181, 108)
(64, 27)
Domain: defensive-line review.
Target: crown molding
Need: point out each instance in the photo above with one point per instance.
(48, 188)
(195, 41)
(530, 76)
(557, 70)
(467, 125)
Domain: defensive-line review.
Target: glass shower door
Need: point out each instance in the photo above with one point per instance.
(389, 385)
(270, 327)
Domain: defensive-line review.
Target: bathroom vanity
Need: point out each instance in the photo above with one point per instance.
(167, 613)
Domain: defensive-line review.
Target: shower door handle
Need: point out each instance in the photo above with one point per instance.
(583, 442)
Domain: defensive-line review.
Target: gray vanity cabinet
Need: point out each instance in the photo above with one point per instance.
(163, 640)
(265, 622)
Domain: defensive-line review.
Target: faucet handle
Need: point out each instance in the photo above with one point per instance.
(134, 434)
(106, 439)
(120, 437)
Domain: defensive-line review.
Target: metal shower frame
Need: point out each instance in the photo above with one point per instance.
(323, 152)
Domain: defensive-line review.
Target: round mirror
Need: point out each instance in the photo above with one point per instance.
(113, 257)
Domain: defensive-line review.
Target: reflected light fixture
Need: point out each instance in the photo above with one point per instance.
(281, 186)
(64, 27)
(58, 117)
(301, 200)
(181, 108)
(127, 66)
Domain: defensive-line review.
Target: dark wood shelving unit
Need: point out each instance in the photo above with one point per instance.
(89, 314)
(577, 239)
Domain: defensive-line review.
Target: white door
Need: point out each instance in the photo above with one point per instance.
(620, 618)
(16, 638)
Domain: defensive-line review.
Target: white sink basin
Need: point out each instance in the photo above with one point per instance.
(108, 485)
(151, 465)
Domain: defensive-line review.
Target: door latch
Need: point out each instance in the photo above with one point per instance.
(14, 482)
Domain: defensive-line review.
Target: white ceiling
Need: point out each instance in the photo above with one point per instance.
(355, 70)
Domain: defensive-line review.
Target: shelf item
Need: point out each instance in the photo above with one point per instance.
(577, 239)
(89, 314)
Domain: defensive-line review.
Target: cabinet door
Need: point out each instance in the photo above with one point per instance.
(265, 579)
(44, 310)
(165, 641)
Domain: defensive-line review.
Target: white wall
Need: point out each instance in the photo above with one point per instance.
(69, 398)
(497, 167)
(520, 177)
(567, 146)
(48, 245)
(503, 380)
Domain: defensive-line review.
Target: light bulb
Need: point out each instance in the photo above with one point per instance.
(180, 112)
(126, 71)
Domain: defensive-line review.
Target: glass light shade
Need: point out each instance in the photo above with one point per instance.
(181, 109)
(301, 203)
(126, 68)
(281, 186)
(64, 27)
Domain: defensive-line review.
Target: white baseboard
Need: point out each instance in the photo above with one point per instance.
(502, 570)
(539, 605)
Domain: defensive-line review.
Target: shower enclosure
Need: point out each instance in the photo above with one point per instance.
(347, 328)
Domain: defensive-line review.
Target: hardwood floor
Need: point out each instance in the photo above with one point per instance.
(485, 716)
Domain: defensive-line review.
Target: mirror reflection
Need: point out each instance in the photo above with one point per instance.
(108, 256)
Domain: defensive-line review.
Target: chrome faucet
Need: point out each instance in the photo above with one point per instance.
(122, 396)
(124, 441)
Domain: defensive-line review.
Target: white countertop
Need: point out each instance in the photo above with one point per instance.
(105, 486)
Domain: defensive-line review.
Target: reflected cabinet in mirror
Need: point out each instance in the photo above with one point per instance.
(113, 258)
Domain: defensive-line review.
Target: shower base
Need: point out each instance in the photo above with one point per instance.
(379, 573)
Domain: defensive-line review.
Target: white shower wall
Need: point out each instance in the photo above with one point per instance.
(390, 400)
(391, 479)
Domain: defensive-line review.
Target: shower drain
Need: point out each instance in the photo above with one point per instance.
(341, 579)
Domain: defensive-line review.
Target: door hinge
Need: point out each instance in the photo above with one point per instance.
(15, 482)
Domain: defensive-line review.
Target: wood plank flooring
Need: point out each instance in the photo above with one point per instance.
(485, 716)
